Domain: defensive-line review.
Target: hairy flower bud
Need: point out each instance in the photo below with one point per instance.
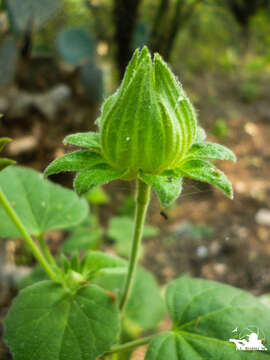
(149, 124)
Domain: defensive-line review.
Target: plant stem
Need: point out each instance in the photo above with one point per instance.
(46, 251)
(129, 345)
(17, 222)
(142, 202)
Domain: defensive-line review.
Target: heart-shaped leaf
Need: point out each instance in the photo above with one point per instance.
(40, 204)
(209, 319)
(47, 322)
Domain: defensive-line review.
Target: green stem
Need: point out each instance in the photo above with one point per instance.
(17, 222)
(130, 345)
(46, 251)
(142, 202)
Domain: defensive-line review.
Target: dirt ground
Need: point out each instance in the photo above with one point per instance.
(206, 234)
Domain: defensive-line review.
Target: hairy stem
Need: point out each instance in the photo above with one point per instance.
(46, 251)
(29, 241)
(142, 202)
(129, 345)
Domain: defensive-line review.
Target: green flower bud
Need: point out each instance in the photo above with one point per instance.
(149, 124)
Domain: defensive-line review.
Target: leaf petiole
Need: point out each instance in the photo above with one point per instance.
(129, 345)
(17, 222)
(46, 251)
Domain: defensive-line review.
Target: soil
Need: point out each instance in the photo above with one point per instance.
(206, 234)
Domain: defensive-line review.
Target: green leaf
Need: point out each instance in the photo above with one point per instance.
(3, 142)
(75, 161)
(97, 260)
(82, 238)
(121, 230)
(204, 314)
(207, 150)
(95, 175)
(5, 163)
(97, 196)
(89, 140)
(47, 322)
(145, 307)
(206, 172)
(40, 204)
(168, 186)
(37, 274)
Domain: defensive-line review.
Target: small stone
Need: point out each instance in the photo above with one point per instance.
(215, 248)
(262, 217)
(202, 251)
(220, 269)
(22, 145)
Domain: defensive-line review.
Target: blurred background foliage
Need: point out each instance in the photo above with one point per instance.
(230, 37)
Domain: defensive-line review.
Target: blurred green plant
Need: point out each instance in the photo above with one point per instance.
(250, 90)
(220, 128)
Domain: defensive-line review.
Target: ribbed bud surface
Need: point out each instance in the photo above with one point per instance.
(149, 123)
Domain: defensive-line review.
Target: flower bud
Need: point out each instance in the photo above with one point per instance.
(149, 124)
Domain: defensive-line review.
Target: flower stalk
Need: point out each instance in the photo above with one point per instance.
(142, 202)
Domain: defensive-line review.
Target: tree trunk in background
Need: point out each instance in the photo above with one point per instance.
(169, 20)
(159, 29)
(125, 15)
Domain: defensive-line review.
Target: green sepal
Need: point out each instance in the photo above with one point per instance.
(75, 161)
(95, 175)
(167, 186)
(5, 163)
(208, 150)
(206, 172)
(3, 142)
(89, 140)
(200, 135)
